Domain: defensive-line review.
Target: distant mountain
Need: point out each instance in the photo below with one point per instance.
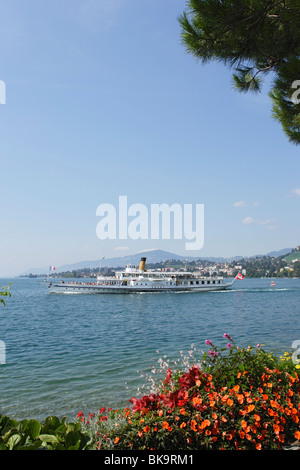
(153, 256)
(285, 251)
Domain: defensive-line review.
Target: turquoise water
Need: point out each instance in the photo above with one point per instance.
(76, 352)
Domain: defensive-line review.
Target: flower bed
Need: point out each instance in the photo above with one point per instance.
(236, 399)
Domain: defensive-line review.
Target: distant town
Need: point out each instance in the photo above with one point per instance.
(255, 267)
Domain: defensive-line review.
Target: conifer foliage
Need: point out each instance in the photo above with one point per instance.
(254, 38)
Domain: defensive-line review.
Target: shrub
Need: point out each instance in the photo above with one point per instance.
(53, 434)
(237, 399)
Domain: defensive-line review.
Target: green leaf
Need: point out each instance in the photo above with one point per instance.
(49, 438)
(13, 441)
(34, 429)
(31, 446)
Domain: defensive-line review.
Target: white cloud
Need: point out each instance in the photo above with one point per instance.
(244, 204)
(296, 191)
(121, 248)
(239, 204)
(251, 221)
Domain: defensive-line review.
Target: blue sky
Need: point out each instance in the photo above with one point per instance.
(101, 101)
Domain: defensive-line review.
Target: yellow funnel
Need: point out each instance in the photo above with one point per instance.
(142, 264)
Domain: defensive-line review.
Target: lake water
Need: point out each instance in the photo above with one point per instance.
(71, 353)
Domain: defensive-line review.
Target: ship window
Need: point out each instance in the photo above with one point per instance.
(203, 282)
(192, 282)
(208, 282)
(197, 282)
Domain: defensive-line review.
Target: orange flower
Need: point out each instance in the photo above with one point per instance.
(250, 408)
(265, 397)
(229, 402)
(193, 425)
(165, 425)
(244, 423)
(197, 401)
(182, 411)
(140, 434)
(276, 428)
(297, 435)
(239, 375)
(146, 429)
(183, 425)
(257, 417)
(258, 446)
(240, 398)
(214, 415)
(274, 404)
(236, 388)
(116, 440)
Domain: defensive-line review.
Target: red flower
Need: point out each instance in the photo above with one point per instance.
(146, 403)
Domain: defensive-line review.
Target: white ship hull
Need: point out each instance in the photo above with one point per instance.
(88, 288)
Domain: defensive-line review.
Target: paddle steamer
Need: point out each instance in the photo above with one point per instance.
(138, 279)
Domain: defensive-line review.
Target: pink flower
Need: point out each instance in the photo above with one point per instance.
(208, 342)
(229, 346)
(212, 353)
(226, 335)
